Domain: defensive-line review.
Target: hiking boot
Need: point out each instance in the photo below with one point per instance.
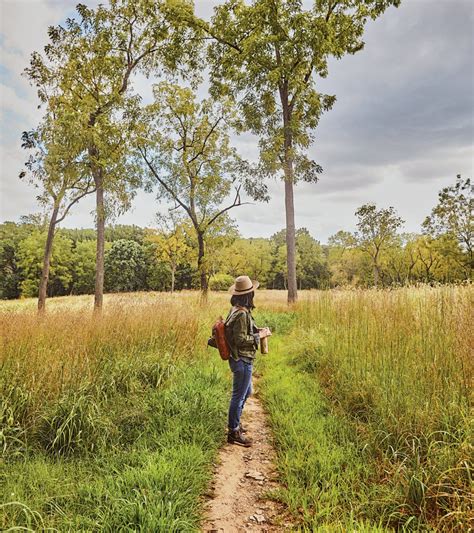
(242, 429)
(236, 437)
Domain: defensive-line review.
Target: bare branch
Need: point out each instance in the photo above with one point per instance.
(163, 183)
(236, 203)
(73, 201)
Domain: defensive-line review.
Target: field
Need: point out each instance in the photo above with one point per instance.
(112, 423)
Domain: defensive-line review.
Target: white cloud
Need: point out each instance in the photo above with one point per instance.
(23, 30)
(24, 27)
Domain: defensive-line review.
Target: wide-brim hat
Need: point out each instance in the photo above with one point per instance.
(243, 285)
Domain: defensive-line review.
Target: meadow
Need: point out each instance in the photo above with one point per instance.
(377, 431)
(112, 422)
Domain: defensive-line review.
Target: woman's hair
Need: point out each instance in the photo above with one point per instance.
(243, 300)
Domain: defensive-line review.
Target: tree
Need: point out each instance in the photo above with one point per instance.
(267, 55)
(377, 229)
(429, 257)
(220, 236)
(125, 267)
(170, 243)
(11, 274)
(278, 261)
(55, 167)
(311, 266)
(123, 231)
(394, 263)
(30, 257)
(186, 149)
(454, 215)
(92, 60)
(248, 256)
(84, 267)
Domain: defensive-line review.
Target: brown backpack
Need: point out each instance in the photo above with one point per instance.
(218, 339)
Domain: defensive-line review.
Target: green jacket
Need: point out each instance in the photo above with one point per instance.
(241, 334)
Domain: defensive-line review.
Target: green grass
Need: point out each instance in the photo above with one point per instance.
(150, 475)
(112, 424)
(374, 389)
(324, 470)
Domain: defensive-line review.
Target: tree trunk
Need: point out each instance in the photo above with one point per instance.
(289, 198)
(100, 250)
(290, 239)
(376, 275)
(201, 265)
(173, 271)
(48, 249)
(97, 174)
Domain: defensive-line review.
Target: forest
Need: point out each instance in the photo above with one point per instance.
(164, 258)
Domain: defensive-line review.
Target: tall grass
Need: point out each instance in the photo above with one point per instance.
(325, 473)
(109, 423)
(399, 364)
(57, 369)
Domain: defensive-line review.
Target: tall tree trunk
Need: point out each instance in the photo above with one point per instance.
(97, 174)
(201, 265)
(48, 249)
(289, 197)
(290, 239)
(100, 250)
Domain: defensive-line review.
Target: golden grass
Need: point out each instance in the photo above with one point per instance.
(398, 361)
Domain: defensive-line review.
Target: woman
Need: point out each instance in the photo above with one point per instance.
(243, 338)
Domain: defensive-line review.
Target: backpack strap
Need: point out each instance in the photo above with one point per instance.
(233, 312)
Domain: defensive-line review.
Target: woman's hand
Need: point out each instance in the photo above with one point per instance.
(264, 332)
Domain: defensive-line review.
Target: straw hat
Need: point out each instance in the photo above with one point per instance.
(243, 285)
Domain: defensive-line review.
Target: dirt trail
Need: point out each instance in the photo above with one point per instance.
(238, 503)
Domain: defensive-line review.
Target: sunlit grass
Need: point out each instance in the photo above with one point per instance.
(394, 367)
(399, 364)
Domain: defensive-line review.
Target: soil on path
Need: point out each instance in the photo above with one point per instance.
(238, 500)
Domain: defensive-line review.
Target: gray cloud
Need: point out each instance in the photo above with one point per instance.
(407, 97)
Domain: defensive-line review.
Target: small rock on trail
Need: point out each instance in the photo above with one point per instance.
(241, 479)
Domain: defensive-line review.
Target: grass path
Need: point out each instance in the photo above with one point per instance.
(304, 472)
(117, 426)
(324, 475)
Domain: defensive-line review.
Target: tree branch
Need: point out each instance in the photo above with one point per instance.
(73, 201)
(211, 131)
(331, 10)
(163, 183)
(236, 203)
(204, 26)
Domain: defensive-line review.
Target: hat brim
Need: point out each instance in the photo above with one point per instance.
(255, 285)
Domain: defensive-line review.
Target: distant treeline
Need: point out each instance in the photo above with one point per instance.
(141, 259)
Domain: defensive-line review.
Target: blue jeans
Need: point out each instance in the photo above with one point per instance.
(241, 390)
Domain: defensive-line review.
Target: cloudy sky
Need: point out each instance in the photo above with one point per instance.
(401, 129)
